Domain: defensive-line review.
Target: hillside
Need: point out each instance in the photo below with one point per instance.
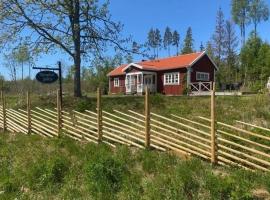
(37, 168)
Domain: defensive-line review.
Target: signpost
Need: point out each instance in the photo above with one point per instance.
(47, 76)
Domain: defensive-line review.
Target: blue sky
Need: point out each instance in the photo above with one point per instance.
(138, 16)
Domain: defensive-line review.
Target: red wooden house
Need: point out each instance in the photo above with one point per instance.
(170, 76)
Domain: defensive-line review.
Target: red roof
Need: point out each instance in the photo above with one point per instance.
(181, 61)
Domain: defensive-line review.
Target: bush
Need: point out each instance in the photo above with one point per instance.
(84, 104)
(48, 173)
(105, 176)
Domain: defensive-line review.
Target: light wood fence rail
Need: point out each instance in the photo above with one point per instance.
(238, 145)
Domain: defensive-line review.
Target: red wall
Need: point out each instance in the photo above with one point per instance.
(203, 65)
(121, 88)
(171, 89)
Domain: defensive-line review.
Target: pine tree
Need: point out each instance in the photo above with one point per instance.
(209, 49)
(188, 42)
(176, 41)
(258, 12)
(239, 11)
(201, 47)
(158, 41)
(230, 46)
(219, 37)
(168, 40)
(151, 41)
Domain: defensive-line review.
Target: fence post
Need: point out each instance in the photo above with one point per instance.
(213, 126)
(28, 99)
(4, 111)
(59, 113)
(147, 118)
(99, 115)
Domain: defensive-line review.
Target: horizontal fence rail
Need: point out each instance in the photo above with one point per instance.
(242, 144)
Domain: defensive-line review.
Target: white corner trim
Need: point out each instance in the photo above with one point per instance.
(132, 64)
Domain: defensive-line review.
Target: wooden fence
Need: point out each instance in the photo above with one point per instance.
(243, 145)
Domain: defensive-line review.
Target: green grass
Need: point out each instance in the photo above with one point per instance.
(37, 168)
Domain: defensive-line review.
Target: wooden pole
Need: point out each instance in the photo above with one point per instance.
(147, 118)
(59, 112)
(213, 126)
(99, 115)
(28, 112)
(4, 111)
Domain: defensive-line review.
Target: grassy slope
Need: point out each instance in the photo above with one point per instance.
(37, 168)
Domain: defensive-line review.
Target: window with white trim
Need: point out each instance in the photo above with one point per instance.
(116, 82)
(172, 78)
(202, 76)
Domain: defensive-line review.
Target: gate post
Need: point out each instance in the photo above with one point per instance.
(99, 115)
(59, 112)
(147, 118)
(28, 112)
(213, 126)
(4, 111)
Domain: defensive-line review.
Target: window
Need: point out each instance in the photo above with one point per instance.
(172, 78)
(116, 82)
(202, 76)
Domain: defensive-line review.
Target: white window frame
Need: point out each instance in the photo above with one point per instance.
(172, 78)
(202, 76)
(116, 82)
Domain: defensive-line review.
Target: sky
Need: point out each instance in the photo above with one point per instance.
(138, 16)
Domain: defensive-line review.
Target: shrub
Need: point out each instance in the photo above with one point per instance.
(48, 173)
(105, 176)
(83, 104)
(148, 160)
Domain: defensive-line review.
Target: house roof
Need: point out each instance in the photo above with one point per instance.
(176, 62)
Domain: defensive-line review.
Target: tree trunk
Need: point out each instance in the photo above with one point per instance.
(77, 75)
(77, 51)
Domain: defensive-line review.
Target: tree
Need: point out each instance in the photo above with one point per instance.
(168, 39)
(230, 46)
(151, 41)
(21, 56)
(158, 41)
(218, 37)
(239, 11)
(176, 41)
(210, 50)
(201, 47)
(249, 55)
(80, 28)
(258, 12)
(12, 66)
(188, 42)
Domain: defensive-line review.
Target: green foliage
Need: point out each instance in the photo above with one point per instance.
(188, 42)
(255, 62)
(83, 104)
(105, 175)
(48, 173)
(168, 39)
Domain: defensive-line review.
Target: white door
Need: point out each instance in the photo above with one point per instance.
(130, 83)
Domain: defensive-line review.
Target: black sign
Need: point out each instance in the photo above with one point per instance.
(46, 76)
